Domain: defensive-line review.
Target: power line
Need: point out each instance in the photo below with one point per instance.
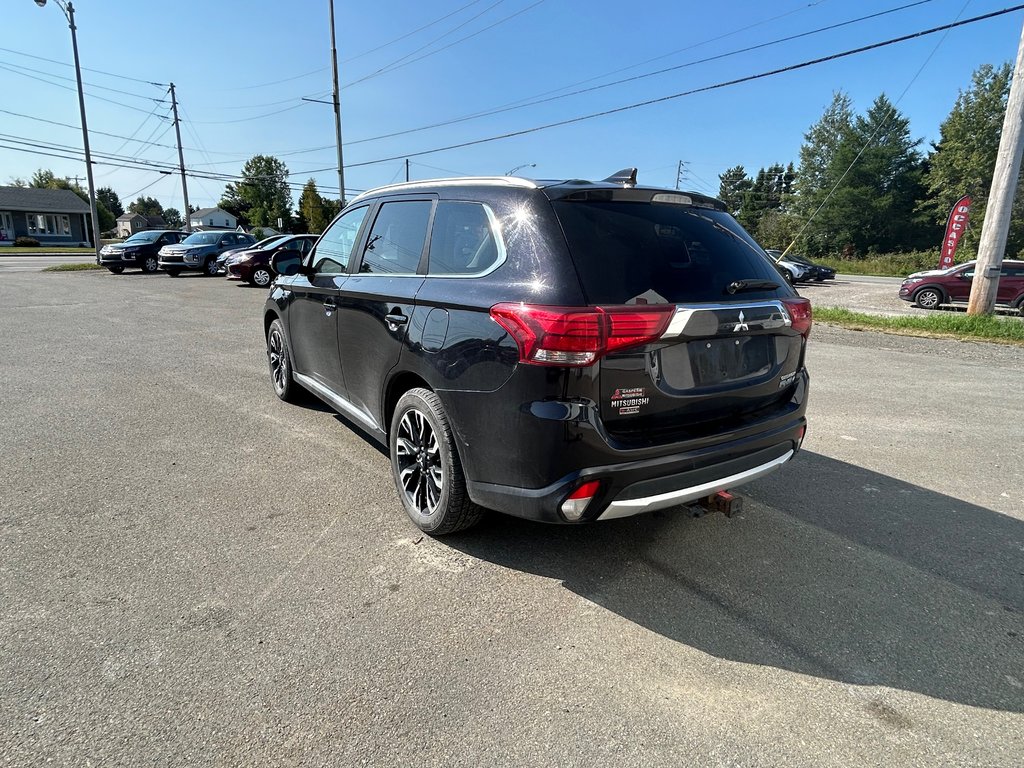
(26, 70)
(392, 68)
(69, 88)
(382, 46)
(521, 104)
(703, 89)
(87, 69)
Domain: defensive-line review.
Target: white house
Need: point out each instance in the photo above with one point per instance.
(212, 218)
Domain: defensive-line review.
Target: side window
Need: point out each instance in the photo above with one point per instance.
(396, 241)
(464, 240)
(335, 247)
(968, 274)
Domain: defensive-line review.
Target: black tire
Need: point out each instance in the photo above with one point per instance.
(116, 270)
(174, 272)
(210, 268)
(426, 467)
(928, 298)
(150, 265)
(261, 277)
(1020, 306)
(280, 360)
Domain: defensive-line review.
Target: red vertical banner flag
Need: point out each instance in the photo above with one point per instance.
(956, 226)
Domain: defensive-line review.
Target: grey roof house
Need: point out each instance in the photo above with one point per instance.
(212, 218)
(51, 216)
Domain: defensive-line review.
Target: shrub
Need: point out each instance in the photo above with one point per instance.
(26, 242)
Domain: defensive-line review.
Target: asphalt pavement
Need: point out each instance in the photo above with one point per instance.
(195, 573)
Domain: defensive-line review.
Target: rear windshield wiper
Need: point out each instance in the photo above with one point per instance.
(736, 286)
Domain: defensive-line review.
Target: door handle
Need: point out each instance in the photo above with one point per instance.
(395, 319)
(329, 306)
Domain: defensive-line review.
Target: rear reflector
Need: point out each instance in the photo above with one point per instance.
(579, 336)
(574, 506)
(800, 314)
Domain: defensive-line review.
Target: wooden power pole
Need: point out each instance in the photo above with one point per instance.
(1000, 198)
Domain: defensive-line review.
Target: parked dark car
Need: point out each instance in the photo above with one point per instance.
(140, 250)
(222, 260)
(562, 351)
(254, 264)
(934, 287)
(816, 272)
(199, 251)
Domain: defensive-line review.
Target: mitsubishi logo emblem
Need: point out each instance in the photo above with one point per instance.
(741, 325)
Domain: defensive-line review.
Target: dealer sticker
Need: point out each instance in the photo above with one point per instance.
(629, 401)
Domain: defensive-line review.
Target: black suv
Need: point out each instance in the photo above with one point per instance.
(565, 351)
(140, 250)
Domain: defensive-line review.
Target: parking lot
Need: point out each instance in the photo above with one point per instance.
(194, 572)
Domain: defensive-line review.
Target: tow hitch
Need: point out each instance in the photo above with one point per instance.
(725, 502)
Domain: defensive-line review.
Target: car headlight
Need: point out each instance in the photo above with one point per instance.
(912, 280)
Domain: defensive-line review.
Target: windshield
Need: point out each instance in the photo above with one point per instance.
(143, 237)
(202, 238)
(635, 252)
(270, 242)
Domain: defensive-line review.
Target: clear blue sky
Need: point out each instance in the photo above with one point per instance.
(224, 57)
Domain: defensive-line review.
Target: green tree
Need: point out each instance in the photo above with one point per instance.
(965, 157)
(110, 200)
(146, 206)
(770, 191)
(173, 218)
(263, 195)
(313, 209)
(732, 186)
(859, 182)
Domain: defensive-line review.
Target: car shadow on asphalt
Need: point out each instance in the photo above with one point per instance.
(831, 570)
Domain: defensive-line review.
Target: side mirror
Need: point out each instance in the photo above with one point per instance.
(286, 263)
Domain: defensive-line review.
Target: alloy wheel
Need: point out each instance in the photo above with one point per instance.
(278, 360)
(418, 456)
(261, 277)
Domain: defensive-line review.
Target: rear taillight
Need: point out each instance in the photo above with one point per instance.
(579, 336)
(800, 315)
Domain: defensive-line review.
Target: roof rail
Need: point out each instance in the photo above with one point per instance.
(510, 181)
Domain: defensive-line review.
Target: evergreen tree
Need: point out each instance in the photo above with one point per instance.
(964, 159)
(313, 209)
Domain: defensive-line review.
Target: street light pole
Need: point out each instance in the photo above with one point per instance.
(337, 110)
(69, 13)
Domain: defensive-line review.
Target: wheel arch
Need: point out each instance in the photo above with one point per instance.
(398, 385)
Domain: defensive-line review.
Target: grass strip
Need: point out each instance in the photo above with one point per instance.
(42, 250)
(1003, 330)
(79, 267)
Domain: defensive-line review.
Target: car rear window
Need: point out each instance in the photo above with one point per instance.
(639, 252)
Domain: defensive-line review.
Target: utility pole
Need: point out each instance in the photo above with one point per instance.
(181, 160)
(407, 169)
(337, 110)
(76, 179)
(680, 172)
(1000, 198)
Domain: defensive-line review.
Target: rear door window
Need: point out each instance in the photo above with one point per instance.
(395, 244)
(464, 240)
(651, 253)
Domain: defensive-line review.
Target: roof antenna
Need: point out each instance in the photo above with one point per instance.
(626, 177)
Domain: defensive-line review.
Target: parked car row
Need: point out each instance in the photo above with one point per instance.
(934, 287)
(799, 269)
(236, 254)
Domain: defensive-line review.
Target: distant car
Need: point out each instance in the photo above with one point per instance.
(222, 260)
(199, 251)
(253, 264)
(795, 272)
(140, 250)
(818, 272)
(933, 287)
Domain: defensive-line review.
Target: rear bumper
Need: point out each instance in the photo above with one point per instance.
(635, 487)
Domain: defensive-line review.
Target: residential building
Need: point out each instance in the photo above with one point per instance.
(130, 223)
(51, 216)
(212, 218)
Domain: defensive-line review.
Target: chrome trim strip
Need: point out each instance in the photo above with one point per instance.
(628, 507)
(685, 312)
(339, 403)
(498, 181)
